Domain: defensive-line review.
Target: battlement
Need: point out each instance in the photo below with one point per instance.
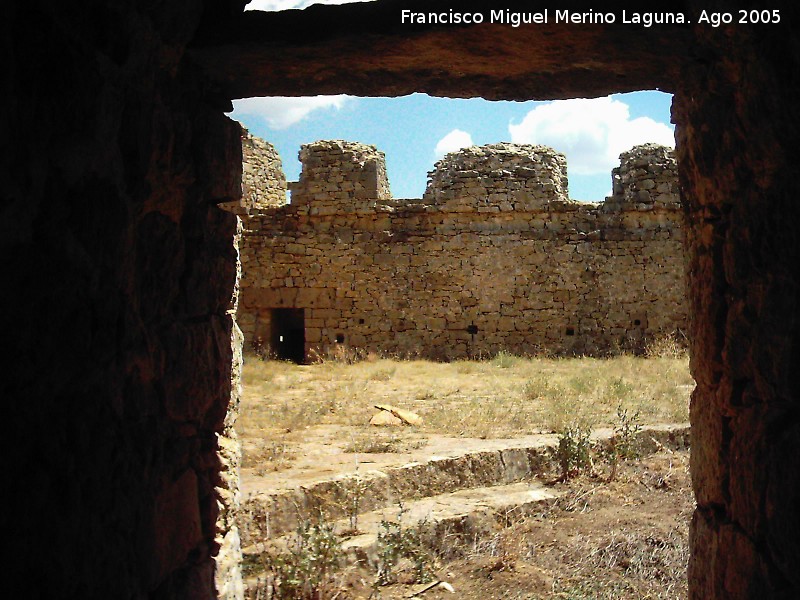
(263, 181)
(646, 178)
(502, 177)
(339, 176)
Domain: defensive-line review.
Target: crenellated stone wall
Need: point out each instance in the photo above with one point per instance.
(495, 256)
(647, 175)
(498, 178)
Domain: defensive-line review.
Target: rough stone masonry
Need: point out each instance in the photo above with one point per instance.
(495, 256)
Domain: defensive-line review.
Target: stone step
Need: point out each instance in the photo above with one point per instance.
(456, 518)
(445, 524)
(269, 514)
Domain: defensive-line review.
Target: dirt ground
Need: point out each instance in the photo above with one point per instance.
(624, 539)
(621, 539)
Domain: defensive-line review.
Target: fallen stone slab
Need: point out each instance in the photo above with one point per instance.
(384, 418)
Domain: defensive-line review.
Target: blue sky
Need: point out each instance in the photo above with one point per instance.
(415, 131)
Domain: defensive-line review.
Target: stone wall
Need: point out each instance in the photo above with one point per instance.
(498, 177)
(493, 257)
(263, 180)
(340, 177)
(738, 134)
(121, 319)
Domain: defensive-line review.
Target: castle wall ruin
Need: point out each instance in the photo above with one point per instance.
(122, 272)
(494, 256)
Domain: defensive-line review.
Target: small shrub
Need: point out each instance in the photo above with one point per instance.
(341, 354)
(351, 491)
(626, 431)
(396, 542)
(624, 444)
(574, 451)
(274, 456)
(668, 346)
(309, 566)
(541, 387)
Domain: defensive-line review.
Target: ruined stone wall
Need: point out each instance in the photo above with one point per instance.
(498, 178)
(493, 257)
(340, 177)
(263, 180)
(121, 272)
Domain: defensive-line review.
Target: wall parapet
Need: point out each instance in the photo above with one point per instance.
(646, 179)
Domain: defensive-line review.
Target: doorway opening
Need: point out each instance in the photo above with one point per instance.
(289, 334)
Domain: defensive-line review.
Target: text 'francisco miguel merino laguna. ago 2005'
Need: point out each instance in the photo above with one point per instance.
(591, 17)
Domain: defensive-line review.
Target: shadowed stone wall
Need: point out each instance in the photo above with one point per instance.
(738, 130)
(493, 257)
(124, 274)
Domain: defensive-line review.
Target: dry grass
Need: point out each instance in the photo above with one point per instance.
(599, 540)
(504, 396)
(380, 444)
(626, 539)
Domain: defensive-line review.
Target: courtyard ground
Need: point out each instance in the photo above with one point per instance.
(600, 536)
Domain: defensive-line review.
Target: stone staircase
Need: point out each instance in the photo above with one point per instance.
(461, 497)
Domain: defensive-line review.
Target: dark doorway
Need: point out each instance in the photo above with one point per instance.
(289, 334)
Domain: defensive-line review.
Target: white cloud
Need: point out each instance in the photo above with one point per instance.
(455, 140)
(280, 113)
(274, 5)
(592, 133)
